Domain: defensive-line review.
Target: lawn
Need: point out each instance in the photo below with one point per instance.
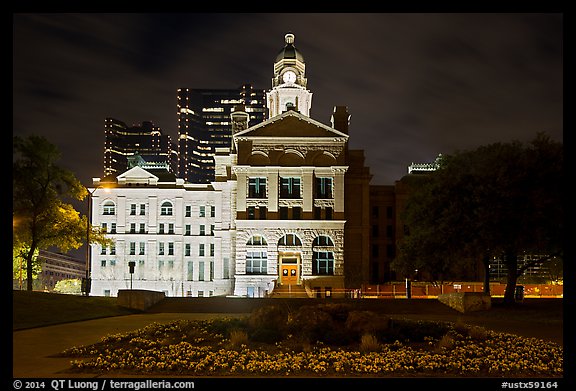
(35, 309)
(317, 340)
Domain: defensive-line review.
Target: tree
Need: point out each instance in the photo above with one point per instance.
(41, 219)
(503, 199)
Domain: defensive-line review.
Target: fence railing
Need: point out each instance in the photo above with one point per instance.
(429, 290)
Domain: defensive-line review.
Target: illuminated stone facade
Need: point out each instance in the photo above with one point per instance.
(273, 216)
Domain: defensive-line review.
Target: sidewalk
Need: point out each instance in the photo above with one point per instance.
(33, 348)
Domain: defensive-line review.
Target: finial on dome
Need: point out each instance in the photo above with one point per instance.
(289, 38)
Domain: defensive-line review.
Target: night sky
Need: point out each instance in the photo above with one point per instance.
(415, 84)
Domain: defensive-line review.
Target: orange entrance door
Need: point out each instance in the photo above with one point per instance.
(289, 274)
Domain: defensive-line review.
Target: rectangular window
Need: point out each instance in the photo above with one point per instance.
(256, 262)
(113, 228)
(251, 212)
(226, 268)
(161, 228)
(188, 230)
(171, 248)
(188, 210)
(329, 213)
(103, 263)
(190, 271)
(323, 263)
(202, 211)
(201, 249)
(263, 211)
(132, 248)
(187, 249)
(389, 212)
(200, 271)
(211, 249)
(142, 248)
(389, 231)
(212, 211)
(375, 211)
(104, 227)
(202, 230)
(211, 272)
(256, 187)
(142, 209)
(132, 209)
(142, 228)
(317, 213)
(289, 187)
(324, 188)
(112, 249)
(375, 251)
(283, 213)
(132, 228)
(103, 251)
(296, 213)
(161, 248)
(390, 251)
(212, 230)
(374, 231)
(171, 228)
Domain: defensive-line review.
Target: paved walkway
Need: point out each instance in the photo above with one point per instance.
(33, 349)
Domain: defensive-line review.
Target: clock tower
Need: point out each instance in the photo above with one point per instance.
(289, 82)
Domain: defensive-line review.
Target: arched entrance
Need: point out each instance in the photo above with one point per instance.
(289, 260)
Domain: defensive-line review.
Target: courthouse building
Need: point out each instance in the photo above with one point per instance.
(272, 218)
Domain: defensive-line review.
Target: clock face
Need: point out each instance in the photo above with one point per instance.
(289, 77)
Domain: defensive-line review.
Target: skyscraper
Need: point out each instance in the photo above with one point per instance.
(144, 142)
(204, 124)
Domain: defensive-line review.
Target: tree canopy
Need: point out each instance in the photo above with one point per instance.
(502, 199)
(41, 217)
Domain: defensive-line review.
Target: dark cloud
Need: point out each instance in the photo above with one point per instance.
(416, 85)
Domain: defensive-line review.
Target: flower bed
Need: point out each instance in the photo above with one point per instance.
(209, 348)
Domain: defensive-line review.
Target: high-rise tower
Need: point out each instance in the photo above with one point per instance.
(204, 124)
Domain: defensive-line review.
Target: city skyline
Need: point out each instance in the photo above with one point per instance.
(416, 85)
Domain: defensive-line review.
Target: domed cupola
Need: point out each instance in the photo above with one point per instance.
(289, 51)
(289, 82)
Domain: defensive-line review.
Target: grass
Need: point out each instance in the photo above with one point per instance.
(36, 309)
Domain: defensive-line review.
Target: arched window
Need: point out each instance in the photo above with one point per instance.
(290, 240)
(109, 208)
(257, 240)
(166, 209)
(322, 240)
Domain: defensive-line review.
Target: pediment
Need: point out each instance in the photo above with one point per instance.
(291, 124)
(137, 175)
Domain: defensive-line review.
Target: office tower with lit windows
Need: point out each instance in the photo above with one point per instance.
(204, 124)
(125, 146)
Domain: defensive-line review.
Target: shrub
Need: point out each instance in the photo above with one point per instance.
(478, 333)
(310, 323)
(369, 343)
(268, 317)
(448, 341)
(238, 338)
(360, 322)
